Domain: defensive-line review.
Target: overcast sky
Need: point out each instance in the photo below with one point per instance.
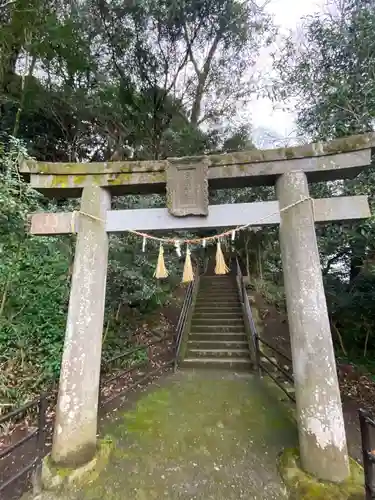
(287, 14)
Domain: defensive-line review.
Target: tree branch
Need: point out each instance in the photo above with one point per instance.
(7, 4)
(334, 259)
(190, 51)
(196, 109)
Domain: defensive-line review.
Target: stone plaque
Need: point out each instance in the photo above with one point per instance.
(187, 187)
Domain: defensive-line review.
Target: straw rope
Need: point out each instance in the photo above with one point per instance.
(194, 240)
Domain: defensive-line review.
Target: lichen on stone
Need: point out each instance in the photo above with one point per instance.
(302, 486)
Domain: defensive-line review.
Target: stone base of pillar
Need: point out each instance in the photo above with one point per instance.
(54, 478)
(304, 487)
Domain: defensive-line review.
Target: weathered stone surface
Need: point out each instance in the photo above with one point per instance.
(337, 146)
(55, 478)
(54, 223)
(187, 188)
(75, 428)
(302, 486)
(94, 168)
(319, 412)
(337, 159)
(153, 219)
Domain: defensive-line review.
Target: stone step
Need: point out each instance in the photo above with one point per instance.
(219, 353)
(219, 297)
(221, 294)
(213, 336)
(218, 344)
(239, 364)
(218, 289)
(217, 316)
(217, 283)
(217, 321)
(207, 328)
(218, 303)
(218, 313)
(223, 288)
(217, 277)
(218, 310)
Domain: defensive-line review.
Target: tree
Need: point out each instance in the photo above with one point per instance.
(331, 76)
(330, 72)
(194, 54)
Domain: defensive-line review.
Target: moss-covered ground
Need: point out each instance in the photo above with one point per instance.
(199, 435)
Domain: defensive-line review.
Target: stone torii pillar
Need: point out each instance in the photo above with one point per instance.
(320, 419)
(74, 441)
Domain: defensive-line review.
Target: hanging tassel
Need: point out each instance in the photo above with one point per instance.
(221, 267)
(204, 243)
(178, 247)
(188, 274)
(161, 271)
(233, 235)
(144, 244)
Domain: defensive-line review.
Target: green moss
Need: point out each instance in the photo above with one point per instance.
(69, 168)
(126, 169)
(78, 180)
(152, 420)
(118, 179)
(350, 143)
(302, 486)
(157, 176)
(216, 435)
(289, 153)
(59, 181)
(56, 478)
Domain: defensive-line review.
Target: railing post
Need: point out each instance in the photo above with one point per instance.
(254, 335)
(239, 281)
(41, 443)
(257, 355)
(368, 466)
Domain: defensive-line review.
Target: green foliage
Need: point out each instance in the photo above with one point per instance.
(273, 293)
(330, 75)
(330, 72)
(34, 288)
(34, 285)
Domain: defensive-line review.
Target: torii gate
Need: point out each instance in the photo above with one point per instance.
(320, 419)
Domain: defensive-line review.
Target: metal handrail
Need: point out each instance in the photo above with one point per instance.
(256, 339)
(249, 316)
(39, 433)
(42, 404)
(190, 292)
(275, 349)
(367, 422)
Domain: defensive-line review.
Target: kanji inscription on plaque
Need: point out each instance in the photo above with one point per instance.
(187, 188)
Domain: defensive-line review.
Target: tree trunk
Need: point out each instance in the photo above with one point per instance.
(25, 79)
(202, 79)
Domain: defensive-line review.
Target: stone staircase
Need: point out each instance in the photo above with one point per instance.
(217, 337)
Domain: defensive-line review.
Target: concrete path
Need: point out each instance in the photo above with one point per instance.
(198, 435)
